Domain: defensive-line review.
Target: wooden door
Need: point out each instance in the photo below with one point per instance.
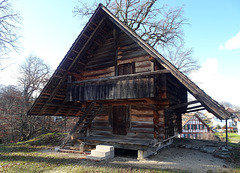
(119, 120)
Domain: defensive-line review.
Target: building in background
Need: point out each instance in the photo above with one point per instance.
(194, 127)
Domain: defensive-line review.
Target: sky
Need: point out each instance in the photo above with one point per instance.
(49, 28)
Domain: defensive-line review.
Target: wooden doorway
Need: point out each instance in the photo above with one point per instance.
(120, 120)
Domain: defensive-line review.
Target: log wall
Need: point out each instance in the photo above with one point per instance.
(111, 53)
(141, 123)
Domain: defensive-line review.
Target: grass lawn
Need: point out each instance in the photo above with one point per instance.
(22, 158)
(25, 157)
(232, 137)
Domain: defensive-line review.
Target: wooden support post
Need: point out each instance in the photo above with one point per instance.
(226, 133)
(82, 147)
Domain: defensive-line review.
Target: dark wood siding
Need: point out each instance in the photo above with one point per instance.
(113, 89)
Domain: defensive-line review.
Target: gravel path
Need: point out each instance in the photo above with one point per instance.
(178, 159)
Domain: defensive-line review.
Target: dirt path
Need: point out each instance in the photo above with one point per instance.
(177, 159)
(180, 159)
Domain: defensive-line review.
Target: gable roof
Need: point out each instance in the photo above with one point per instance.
(57, 83)
(187, 117)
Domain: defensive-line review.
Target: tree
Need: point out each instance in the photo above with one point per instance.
(34, 74)
(160, 27)
(10, 109)
(181, 58)
(9, 21)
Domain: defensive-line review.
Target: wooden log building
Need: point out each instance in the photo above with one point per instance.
(124, 92)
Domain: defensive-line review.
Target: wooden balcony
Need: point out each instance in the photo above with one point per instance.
(130, 86)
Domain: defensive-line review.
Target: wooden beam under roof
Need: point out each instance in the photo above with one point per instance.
(178, 106)
(86, 45)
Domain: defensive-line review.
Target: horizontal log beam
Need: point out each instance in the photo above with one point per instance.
(195, 110)
(182, 105)
(64, 106)
(124, 77)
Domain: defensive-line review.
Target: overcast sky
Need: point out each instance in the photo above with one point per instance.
(49, 29)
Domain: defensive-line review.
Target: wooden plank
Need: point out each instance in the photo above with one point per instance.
(124, 77)
(142, 118)
(129, 55)
(140, 135)
(141, 130)
(142, 111)
(140, 124)
(97, 72)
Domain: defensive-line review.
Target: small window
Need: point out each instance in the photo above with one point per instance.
(128, 68)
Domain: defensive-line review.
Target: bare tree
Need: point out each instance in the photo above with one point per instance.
(181, 58)
(9, 36)
(10, 109)
(157, 26)
(34, 74)
(161, 27)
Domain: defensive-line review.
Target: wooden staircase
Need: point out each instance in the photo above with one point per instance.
(89, 118)
(85, 120)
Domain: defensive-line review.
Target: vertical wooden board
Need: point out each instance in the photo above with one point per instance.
(77, 92)
(130, 89)
(73, 92)
(97, 91)
(86, 88)
(90, 88)
(82, 93)
(152, 87)
(109, 91)
(116, 93)
(145, 88)
(94, 92)
(148, 87)
(123, 89)
(126, 88)
(100, 88)
(139, 92)
(135, 85)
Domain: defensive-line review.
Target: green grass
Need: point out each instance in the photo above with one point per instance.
(49, 139)
(25, 157)
(232, 137)
(22, 158)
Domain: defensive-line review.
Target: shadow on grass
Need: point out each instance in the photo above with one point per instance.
(42, 164)
(36, 158)
(16, 148)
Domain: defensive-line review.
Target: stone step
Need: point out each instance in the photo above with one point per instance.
(102, 152)
(98, 158)
(104, 148)
(98, 153)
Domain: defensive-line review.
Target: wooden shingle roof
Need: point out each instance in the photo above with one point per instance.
(52, 100)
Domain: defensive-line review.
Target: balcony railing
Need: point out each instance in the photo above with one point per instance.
(116, 87)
